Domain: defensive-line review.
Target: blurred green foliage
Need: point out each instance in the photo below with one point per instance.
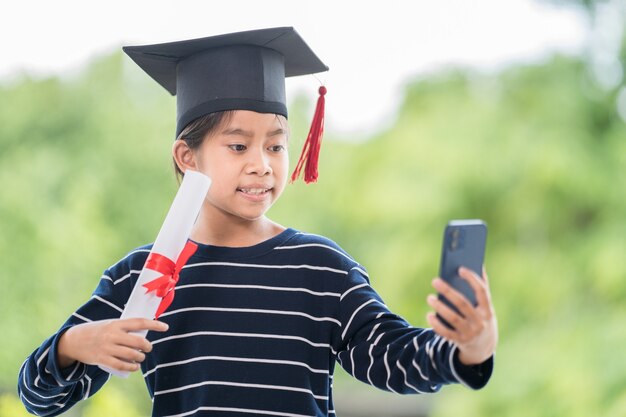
(537, 151)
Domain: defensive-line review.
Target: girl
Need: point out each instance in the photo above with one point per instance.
(262, 312)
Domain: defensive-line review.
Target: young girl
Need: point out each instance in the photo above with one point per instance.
(261, 311)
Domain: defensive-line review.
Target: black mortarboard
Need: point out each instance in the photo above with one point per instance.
(235, 71)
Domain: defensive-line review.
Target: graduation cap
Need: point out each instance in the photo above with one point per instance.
(236, 71)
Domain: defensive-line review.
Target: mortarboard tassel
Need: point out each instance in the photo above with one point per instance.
(311, 149)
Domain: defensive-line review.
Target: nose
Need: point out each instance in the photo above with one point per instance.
(258, 163)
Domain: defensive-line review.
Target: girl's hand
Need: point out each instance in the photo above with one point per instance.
(109, 343)
(475, 329)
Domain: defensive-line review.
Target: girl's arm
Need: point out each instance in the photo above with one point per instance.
(46, 386)
(63, 371)
(380, 348)
(56, 376)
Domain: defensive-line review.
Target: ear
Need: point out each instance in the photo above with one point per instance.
(183, 155)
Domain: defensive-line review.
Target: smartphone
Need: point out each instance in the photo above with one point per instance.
(463, 245)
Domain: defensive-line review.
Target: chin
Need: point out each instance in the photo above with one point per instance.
(253, 218)
(250, 217)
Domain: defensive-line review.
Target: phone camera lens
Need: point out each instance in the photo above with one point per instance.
(454, 242)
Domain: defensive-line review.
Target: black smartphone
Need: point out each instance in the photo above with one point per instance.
(463, 245)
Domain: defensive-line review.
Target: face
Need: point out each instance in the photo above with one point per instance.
(247, 161)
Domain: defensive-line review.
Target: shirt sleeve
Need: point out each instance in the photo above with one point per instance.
(48, 390)
(380, 348)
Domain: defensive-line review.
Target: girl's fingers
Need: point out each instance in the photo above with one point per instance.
(455, 297)
(440, 328)
(127, 354)
(456, 336)
(479, 287)
(135, 325)
(120, 365)
(129, 340)
(485, 276)
(136, 342)
(456, 320)
(486, 279)
(475, 330)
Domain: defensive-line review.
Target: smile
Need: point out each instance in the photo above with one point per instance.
(254, 191)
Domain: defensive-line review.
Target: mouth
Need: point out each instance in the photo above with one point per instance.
(254, 191)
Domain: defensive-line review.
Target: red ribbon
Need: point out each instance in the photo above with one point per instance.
(164, 285)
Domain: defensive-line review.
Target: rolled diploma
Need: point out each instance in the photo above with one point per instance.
(169, 242)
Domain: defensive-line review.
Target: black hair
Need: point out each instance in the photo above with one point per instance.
(197, 130)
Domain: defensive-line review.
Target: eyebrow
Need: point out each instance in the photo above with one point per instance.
(240, 132)
(279, 131)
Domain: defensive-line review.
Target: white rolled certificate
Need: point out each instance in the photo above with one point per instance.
(169, 244)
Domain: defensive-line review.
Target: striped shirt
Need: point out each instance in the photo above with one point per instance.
(256, 331)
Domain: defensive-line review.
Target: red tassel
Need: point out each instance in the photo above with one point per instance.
(311, 149)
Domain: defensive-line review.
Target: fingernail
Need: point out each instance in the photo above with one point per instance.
(431, 299)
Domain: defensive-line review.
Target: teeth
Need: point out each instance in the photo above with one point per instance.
(254, 191)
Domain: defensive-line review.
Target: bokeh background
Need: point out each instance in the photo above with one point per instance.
(535, 148)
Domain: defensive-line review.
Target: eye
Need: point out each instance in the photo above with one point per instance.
(237, 147)
(277, 148)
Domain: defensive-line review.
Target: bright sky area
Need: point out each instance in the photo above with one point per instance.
(373, 48)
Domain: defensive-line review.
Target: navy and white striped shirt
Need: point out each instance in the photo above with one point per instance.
(257, 331)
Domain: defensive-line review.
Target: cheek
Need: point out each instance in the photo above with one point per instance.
(282, 173)
(214, 165)
(220, 190)
(284, 162)
(221, 180)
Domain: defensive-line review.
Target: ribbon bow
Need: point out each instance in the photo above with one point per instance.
(163, 286)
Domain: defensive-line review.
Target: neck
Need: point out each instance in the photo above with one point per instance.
(230, 232)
